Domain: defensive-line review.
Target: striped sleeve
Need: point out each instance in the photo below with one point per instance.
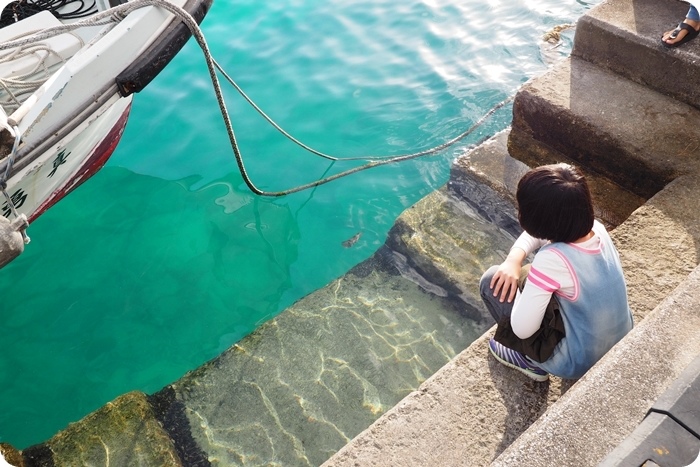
(541, 280)
(548, 275)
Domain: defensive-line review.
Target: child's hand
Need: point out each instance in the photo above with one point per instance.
(505, 281)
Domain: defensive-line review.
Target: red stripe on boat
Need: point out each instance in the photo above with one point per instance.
(92, 165)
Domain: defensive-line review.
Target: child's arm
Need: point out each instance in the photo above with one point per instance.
(529, 309)
(548, 274)
(505, 281)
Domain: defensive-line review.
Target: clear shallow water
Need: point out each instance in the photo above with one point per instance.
(164, 259)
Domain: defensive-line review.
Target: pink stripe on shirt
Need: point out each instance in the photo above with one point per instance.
(542, 281)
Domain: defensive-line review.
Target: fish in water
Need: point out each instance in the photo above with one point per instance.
(352, 240)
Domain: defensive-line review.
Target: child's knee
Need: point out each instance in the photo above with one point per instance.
(485, 282)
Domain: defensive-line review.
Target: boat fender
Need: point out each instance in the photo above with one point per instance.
(12, 238)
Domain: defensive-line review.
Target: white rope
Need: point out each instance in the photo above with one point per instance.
(21, 85)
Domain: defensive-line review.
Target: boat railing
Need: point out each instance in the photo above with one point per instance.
(24, 70)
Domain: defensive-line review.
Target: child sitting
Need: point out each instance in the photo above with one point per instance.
(577, 268)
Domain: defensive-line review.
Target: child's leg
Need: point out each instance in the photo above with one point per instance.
(497, 308)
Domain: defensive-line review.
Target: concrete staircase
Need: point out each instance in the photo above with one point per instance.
(625, 108)
(622, 105)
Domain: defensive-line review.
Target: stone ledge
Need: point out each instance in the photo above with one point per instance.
(636, 137)
(607, 404)
(122, 432)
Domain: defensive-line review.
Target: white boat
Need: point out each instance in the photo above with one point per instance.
(68, 71)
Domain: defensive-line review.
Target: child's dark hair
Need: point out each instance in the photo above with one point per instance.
(554, 203)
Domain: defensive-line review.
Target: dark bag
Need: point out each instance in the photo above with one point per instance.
(539, 346)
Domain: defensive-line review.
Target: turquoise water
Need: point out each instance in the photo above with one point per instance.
(164, 258)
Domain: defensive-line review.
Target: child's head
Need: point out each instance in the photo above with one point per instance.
(554, 203)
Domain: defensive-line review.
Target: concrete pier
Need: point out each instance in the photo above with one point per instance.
(623, 106)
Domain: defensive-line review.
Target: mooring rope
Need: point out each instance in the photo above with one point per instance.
(374, 161)
(14, 131)
(121, 11)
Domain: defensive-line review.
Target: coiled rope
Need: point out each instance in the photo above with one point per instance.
(21, 86)
(121, 11)
(62, 9)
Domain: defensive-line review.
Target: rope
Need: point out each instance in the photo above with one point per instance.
(14, 131)
(121, 11)
(21, 85)
(212, 66)
(362, 158)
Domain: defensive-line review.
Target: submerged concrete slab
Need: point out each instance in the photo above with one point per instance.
(306, 382)
(448, 235)
(123, 432)
(301, 386)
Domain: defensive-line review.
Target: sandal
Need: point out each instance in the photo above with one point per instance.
(691, 34)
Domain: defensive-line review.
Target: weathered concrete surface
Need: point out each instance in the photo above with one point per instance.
(624, 36)
(638, 138)
(660, 243)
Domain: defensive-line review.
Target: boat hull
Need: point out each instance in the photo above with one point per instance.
(71, 161)
(77, 117)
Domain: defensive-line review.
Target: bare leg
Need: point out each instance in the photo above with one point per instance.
(692, 19)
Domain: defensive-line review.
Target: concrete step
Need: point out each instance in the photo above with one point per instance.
(623, 36)
(635, 136)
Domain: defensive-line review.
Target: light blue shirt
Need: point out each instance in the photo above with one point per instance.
(597, 316)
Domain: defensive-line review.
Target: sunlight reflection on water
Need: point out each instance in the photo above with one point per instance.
(166, 248)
